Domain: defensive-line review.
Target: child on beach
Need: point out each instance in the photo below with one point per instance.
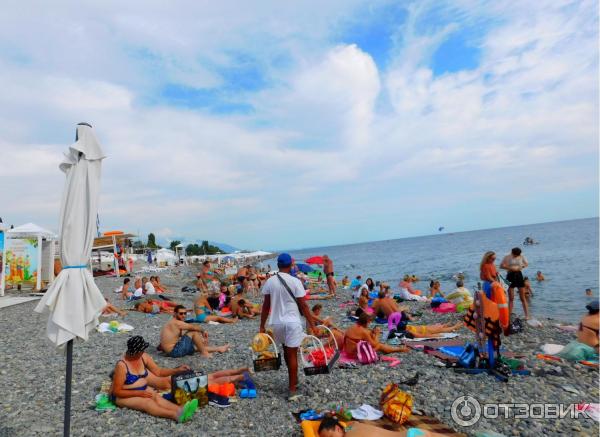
(124, 289)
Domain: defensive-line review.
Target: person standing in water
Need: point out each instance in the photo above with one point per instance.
(514, 263)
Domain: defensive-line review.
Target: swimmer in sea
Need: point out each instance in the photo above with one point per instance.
(539, 276)
(588, 291)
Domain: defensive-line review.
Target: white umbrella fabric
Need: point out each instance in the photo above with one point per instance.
(73, 301)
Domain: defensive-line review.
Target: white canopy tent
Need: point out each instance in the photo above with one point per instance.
(45, 246)
(166, 256)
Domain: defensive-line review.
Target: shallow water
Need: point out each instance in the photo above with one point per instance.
(567, 255)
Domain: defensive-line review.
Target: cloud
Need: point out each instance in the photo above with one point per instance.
(330, 131)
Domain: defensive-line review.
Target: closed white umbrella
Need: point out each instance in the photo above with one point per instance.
(73, 301)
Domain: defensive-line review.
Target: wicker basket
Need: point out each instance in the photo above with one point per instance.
(317, 344)
(265, 364)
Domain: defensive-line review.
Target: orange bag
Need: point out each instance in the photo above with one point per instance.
(396, 404)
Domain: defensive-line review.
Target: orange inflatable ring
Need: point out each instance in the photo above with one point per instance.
(111, 233)
(499, 297)
(417, 292)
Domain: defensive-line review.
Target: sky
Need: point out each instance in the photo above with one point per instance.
(304, 123)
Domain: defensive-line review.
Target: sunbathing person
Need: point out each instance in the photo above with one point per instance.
(434, 290)
(111, 309)
(360, 331)
(461, 297)
(363, 302)
(203, 313)
(158, 286)
(133, 381)
(426, 331)
(124, 289)
(337, 332)
(248, 307)
(589, 327)
(178, 338)
(384, 306)
(155, 306)
(139, 290)
(331, 427)
(242, 309)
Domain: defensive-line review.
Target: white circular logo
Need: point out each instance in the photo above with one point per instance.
(466, 410)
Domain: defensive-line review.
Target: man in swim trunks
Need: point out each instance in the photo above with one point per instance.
(329, 274)
(514, 263)
(178, 338)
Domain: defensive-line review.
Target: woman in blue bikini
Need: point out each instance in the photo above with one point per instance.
(134, 381)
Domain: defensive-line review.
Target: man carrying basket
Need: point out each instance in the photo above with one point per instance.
(284, 298)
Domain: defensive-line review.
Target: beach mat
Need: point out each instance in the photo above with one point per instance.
(426, 423)
(435, 343)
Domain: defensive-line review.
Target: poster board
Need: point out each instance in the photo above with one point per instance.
(21, 258)
(1, 261)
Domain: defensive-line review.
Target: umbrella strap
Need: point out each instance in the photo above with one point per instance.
(74, 267)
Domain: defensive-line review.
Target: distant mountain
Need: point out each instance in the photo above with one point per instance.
(224, 247)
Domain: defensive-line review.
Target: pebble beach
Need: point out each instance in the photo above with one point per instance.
(32, 377)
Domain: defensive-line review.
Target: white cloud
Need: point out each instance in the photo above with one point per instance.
(330, 132)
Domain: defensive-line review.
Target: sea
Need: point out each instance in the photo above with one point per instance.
(566, 253)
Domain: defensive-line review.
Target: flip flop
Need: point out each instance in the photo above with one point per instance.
(188, 411)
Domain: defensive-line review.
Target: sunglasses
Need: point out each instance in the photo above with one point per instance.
(181, 314)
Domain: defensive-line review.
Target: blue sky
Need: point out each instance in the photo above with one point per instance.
(300, 124)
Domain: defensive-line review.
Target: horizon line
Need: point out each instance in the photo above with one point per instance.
(432, 235)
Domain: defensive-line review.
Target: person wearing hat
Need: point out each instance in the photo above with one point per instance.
(284, 300)
(134, 381)
(590, 326)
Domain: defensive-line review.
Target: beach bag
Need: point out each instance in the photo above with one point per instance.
(468, 359)
(396, 404)
(437, 301)
(515, 327)
(445, 307)
(189, 385)
(365, 353)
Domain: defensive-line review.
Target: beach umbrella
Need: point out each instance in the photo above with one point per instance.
(73, 301)
(314, 260)
(304, 268)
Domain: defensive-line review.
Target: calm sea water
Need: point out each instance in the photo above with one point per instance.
(567, 255)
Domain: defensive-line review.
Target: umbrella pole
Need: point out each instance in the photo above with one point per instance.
(69, 377)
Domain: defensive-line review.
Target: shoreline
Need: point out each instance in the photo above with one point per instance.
(29, 359)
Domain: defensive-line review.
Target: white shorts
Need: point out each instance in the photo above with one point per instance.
(289, 334)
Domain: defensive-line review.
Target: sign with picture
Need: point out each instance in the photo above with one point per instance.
(20, 258)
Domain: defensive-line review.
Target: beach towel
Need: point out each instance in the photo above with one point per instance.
(454, 351)
(425, 423)
(443, 336)
(114, 326)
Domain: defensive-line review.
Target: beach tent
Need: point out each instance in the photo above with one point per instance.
(73, 301)
(166, 256)
(26, 246)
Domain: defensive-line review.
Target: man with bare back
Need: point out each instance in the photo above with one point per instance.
(178, 338)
